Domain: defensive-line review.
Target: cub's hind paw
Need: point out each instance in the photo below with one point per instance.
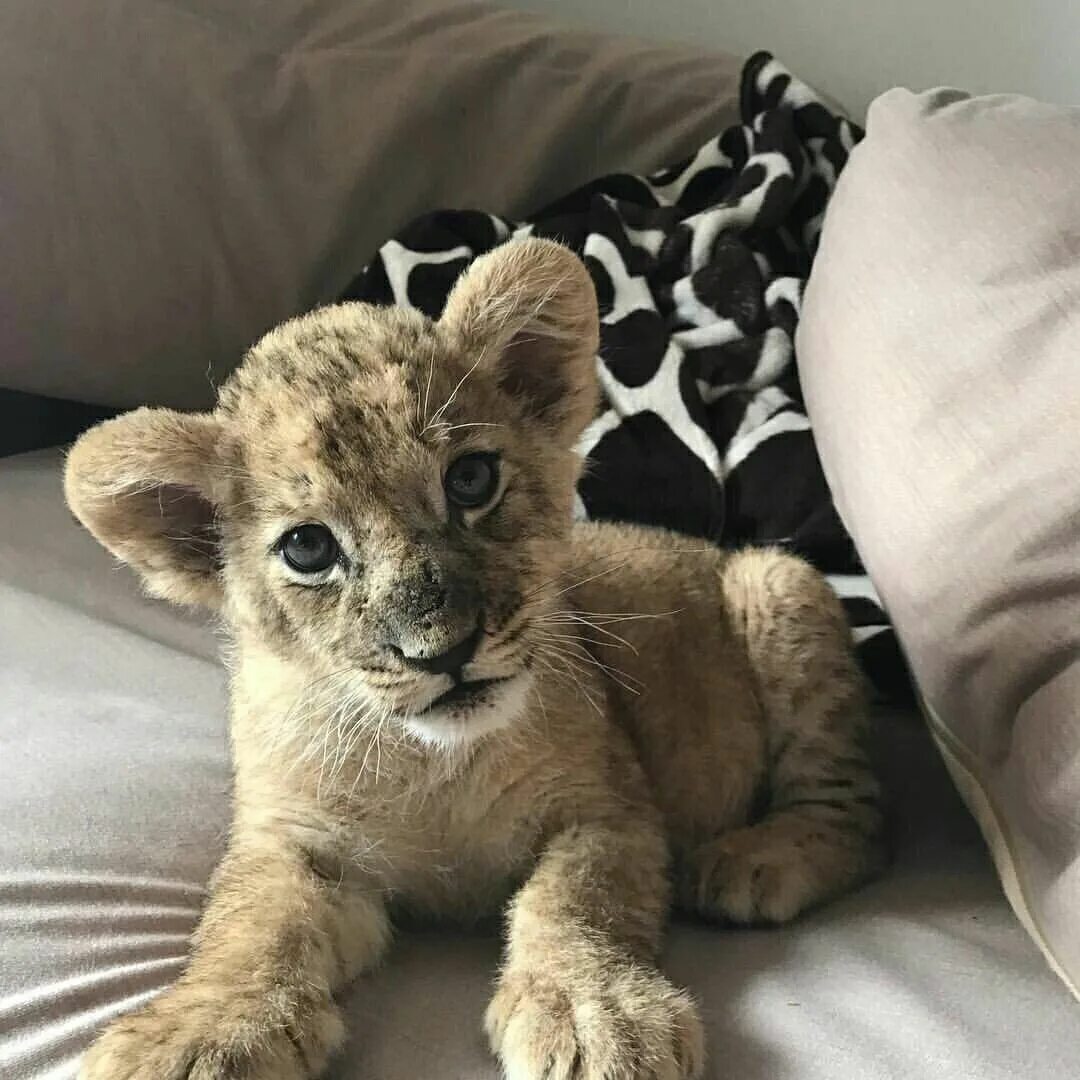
(739, 883)
(771, 872)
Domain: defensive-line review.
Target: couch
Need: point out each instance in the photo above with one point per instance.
(177, 177)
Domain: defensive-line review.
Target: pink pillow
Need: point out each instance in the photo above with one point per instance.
(940, 356)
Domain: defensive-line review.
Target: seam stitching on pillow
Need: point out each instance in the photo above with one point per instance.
(963, 768)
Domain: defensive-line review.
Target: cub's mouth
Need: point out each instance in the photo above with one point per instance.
(470, 710)
(466, 694)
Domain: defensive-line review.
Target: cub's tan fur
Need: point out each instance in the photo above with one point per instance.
(672, 722)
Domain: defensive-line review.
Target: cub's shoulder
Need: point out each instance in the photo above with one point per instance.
(602, 539)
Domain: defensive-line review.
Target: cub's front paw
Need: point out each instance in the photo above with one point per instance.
(624, 1022)
(178, 1040)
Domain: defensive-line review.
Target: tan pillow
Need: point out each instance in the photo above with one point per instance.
(177, 177)
(940, 356)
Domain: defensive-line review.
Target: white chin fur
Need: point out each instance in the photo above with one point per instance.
(452, 728)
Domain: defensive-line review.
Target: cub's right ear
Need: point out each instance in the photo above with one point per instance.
(144, 484)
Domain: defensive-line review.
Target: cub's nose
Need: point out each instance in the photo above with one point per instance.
(449, 662)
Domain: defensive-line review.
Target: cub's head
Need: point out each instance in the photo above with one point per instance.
(379, 501)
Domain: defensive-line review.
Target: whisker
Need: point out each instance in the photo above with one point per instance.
(447, 428)
(563, 572)
(427, 389)
(615, 674)
(566, 676)
(592, 577)
(582, 639)
(453, 393)
(617, 640)
(619, 616)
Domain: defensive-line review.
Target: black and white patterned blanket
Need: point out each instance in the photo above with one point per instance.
(699, 269)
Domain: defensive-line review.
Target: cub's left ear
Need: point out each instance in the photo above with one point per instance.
(529, 309)
(144, 485)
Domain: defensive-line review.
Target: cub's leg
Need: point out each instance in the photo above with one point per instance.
(820, 832)
(278, 936)
(579, 997)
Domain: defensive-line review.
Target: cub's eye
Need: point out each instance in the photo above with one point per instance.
(310, 548)
(472, 479)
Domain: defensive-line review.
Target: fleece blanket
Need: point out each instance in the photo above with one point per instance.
(699, 269)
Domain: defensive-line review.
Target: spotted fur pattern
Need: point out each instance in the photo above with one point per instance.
(652, 720)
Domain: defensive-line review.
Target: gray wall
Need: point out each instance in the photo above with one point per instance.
(854, 49)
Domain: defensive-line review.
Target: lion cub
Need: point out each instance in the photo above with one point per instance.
(447, 697)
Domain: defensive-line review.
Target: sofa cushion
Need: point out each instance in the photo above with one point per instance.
(938, 351)
(179, 177)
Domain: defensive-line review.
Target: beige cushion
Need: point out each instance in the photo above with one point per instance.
(940, 355)
(177, 177)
